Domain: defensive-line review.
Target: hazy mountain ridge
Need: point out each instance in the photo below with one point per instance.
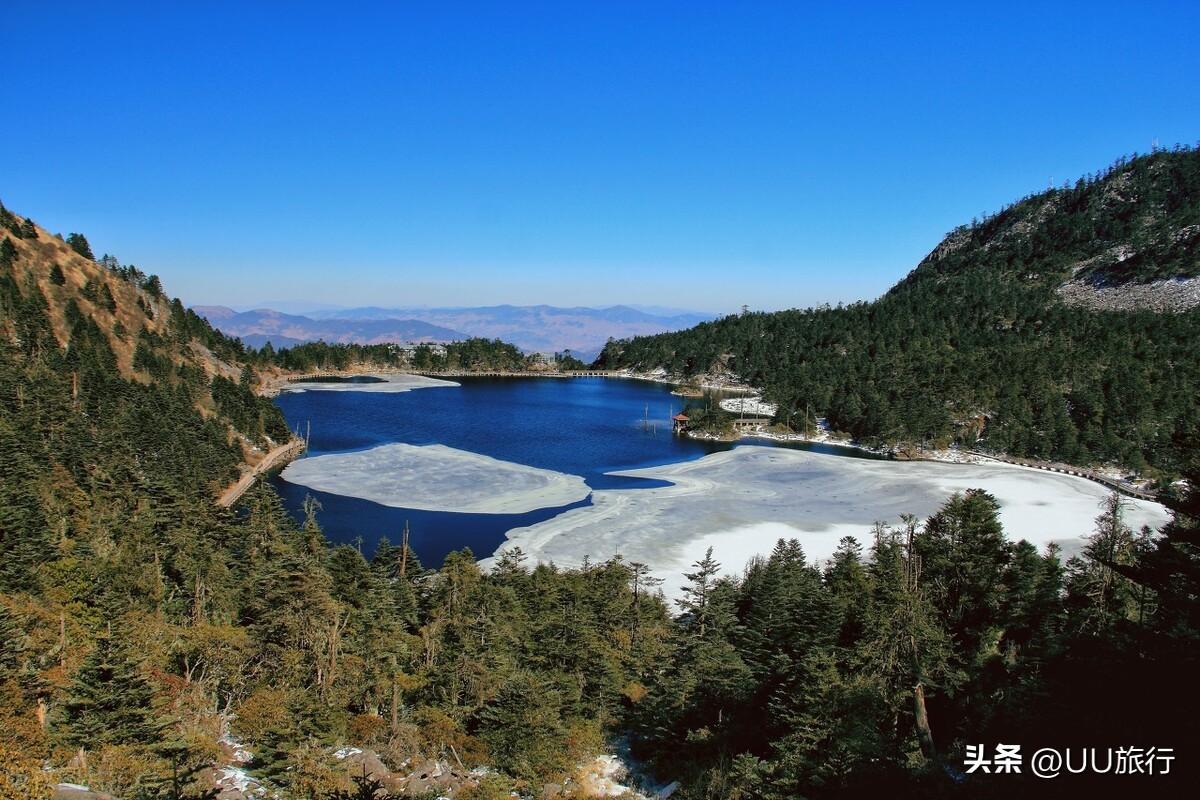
(258, 326)
(540, 328)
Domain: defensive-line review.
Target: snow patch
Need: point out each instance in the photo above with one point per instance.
(238, 779)
(755, 406)
(602, 778)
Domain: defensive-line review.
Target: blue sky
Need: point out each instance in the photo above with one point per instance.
(702, 155)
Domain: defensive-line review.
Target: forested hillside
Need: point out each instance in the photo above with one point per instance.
(976, 344)
(144, 630)
(870, 676)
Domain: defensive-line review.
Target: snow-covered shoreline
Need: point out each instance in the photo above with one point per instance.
(718, 384)
(741, 501)
(947, 455)
(753, 405)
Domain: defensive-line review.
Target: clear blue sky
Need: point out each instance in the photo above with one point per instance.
(693, 154)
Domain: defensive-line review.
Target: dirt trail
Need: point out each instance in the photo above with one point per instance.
(280, 455)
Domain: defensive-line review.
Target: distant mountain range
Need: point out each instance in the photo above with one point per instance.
(261, 325)
(539, 328)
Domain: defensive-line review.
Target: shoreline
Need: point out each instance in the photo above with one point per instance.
(753, 508)
(1107, 475)
(274, 382)
(280, 455)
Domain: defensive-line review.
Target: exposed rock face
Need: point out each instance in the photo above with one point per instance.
(412, 779)
(1171, 295)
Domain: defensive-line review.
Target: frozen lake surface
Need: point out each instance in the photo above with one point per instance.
(588, 467)
(742, 501)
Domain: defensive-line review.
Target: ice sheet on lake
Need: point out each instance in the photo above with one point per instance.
(396, 382)
(741, 501)
(437, 478)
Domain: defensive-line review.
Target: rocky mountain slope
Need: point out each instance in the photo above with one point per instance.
(1034, 331)
(1125, 239)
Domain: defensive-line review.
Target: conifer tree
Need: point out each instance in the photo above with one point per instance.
(846, 578)
(1096, 588)
(107, 301)
(109, 702)
(523, 729)
(962, 551)
(906, 649)
(12, 645)
(79, 243)
(697, 594)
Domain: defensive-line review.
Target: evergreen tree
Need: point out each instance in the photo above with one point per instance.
(846, 578)
(12, 646)
(523, 730)
(79, 243)
(906, 649)
(1100, 593)
(963, 552)
(109, 702)
(107, 301)
(697, 594)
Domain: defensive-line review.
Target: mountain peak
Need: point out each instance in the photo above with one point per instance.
(1125, 238)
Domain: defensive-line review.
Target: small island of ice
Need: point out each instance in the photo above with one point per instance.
(393, 382)
(437, 478)
(740, 502)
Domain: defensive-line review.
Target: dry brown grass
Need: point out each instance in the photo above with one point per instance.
(37, 257)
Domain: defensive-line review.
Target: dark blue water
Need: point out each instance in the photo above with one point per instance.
(580, 426)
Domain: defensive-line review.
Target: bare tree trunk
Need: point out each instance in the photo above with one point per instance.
(198, 601)
(395, 699)
(924, 734)
(404, 551)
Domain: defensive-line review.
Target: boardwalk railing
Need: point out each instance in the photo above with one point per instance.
(280, 455)
(1081, 472)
